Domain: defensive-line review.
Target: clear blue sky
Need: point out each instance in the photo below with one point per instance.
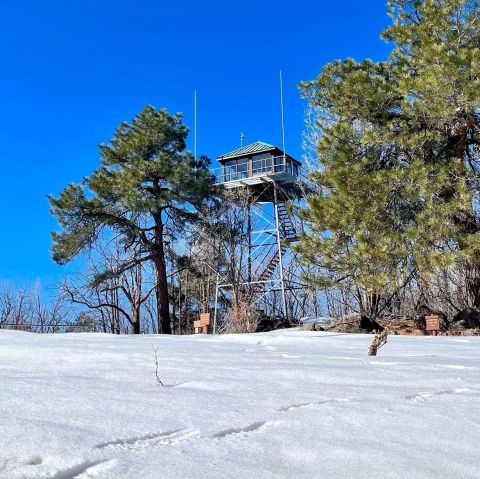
(71, 70)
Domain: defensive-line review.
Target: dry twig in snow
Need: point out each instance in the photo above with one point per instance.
(156, 366)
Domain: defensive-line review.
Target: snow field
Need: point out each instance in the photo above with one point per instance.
(287, 404)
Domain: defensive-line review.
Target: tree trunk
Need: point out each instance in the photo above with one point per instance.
(370, 306)
(161, 287)
(137, 296)
(472, 279)
(135, 320)
(136, 327)
(161, 291)
(468, 224)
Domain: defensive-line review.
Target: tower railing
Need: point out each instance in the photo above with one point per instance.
(272, 166)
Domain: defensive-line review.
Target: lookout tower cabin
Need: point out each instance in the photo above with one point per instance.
(257, 164)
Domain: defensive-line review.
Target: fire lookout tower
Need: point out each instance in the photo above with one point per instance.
(269, 178)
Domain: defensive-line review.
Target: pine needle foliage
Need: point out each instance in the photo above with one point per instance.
(398, 184)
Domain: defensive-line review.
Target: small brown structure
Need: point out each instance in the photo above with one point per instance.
(432, 324)
(202, 325)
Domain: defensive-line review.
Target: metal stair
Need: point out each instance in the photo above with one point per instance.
(289, 233)
(271, 266)
(287, 228)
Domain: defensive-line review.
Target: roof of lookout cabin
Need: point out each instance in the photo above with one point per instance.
(257, 147)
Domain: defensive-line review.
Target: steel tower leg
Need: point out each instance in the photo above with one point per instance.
(216, 304)
(280, 256)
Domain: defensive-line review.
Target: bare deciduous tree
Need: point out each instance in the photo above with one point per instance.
(116, 297)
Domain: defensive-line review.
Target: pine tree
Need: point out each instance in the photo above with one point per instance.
(146, 183)
(398, 147)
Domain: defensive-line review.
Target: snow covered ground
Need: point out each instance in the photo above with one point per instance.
(287, 404)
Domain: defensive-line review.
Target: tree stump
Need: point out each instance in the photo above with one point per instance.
(378, 341)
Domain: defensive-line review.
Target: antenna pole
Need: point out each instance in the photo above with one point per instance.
(195, 125)
(283, 123)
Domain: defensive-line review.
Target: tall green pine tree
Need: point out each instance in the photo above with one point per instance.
(146, 182)
(399, 154)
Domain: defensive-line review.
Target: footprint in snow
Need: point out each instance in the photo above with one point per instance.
(311, 404)
(12, 463)
(33, 461)
(149, 440)
(426, 396)
(244, 430)
(89, 468)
